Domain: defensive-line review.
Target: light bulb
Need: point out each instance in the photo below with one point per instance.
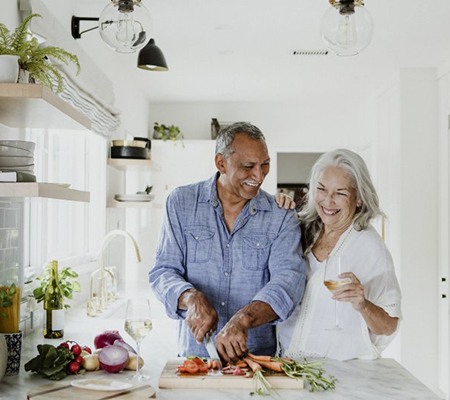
(346, 36)
(125, 29)
(347, 29)
(125, 25)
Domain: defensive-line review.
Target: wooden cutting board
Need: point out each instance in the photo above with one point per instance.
(64, 390)
(170, 379)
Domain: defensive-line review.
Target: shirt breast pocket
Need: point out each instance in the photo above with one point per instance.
(256, 251)
(199, 243)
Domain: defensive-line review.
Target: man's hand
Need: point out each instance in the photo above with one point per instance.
(231, 341)
(201, 317)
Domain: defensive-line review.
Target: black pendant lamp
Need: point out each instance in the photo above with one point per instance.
(152, 58)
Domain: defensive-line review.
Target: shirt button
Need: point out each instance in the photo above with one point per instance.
(228, 245)
(226, 273)
(222, 304)
(196, 238)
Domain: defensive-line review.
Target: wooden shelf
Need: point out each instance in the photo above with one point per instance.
(26, 105)
(124, 163)
(133, 204)
(48, 190)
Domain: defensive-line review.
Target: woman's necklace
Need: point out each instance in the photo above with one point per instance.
(342, 241)
(326, 246)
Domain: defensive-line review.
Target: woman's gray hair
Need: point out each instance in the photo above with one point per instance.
(227, 135)
(365, 193)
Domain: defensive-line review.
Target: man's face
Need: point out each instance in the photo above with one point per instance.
(243, 172)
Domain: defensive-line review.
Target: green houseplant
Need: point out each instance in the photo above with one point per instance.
(33, 57)
(166, 132)
(9, 308)
(67, 282)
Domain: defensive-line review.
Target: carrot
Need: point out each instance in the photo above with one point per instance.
(240, 364)
(272, 365)
(259, 358)
(255, 367)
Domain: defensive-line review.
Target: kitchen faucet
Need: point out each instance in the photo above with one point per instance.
(103, 280)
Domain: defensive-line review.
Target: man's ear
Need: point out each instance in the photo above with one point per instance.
(220, 162)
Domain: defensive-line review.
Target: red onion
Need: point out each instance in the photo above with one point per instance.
(113, 358)
(106, 338)
(125, 345)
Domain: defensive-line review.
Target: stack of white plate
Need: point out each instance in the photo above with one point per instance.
(17, 155)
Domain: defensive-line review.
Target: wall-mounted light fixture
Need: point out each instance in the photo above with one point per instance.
(347, 27)
(122, 28)
(125, 25)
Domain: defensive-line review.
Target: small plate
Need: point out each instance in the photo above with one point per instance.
(134, 197)
(104, 385)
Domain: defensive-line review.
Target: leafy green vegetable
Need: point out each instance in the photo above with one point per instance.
(51, 362)
(312, 371)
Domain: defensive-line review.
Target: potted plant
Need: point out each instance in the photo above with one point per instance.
(9, 309)
(9, 327)
(34, 58)
(166, 132)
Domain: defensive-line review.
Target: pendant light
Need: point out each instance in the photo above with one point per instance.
(125, 25)
(152, 58)
(347, 27)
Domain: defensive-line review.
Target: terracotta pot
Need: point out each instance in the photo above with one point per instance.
(9, 68)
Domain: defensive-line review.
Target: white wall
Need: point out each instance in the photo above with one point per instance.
(284, 124)
(407, 152)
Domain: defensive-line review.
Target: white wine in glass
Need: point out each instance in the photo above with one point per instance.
(334, 266)
(138, 324)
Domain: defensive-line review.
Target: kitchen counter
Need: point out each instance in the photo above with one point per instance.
(357, 379)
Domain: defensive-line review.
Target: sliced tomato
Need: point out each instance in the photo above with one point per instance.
(198, 361)
(190, 366)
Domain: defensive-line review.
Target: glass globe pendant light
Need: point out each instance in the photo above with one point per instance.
(347, 27)
(125, 25)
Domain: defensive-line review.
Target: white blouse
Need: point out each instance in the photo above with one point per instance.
(306, 333)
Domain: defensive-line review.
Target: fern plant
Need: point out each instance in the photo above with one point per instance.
(34, 58)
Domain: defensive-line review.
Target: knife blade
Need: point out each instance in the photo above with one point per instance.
(212, 351)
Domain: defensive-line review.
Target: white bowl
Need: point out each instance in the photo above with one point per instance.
(20, 144)
(8, 151)
(16, 161)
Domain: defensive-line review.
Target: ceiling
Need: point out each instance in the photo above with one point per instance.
(241, 50)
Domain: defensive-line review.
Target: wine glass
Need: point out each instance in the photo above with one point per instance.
(334, 266)
(138, 325)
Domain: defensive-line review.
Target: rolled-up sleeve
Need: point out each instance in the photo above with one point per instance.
(287, 270)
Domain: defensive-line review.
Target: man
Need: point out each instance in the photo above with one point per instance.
(229, 260)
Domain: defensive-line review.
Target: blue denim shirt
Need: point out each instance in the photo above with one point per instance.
(261, 259)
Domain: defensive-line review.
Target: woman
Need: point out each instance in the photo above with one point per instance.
(336, 221)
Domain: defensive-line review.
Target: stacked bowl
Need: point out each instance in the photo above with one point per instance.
(17, 155)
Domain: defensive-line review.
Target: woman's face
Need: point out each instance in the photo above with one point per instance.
(335, 198)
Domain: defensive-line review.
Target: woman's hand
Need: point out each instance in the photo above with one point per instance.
(377, 319)
(352, 292)
(285, 201)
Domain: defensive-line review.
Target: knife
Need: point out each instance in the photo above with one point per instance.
(212, 351)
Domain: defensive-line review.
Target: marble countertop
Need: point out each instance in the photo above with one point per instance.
(357, 379)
